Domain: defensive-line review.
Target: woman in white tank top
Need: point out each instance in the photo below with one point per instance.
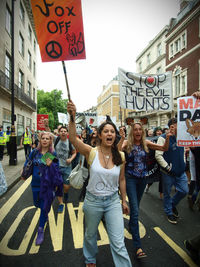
(102, 199)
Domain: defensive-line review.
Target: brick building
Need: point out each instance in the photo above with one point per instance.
(183, 50)
(108, 102)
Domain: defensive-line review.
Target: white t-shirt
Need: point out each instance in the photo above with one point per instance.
(103, 182)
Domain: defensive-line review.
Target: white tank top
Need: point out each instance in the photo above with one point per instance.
(103, 182)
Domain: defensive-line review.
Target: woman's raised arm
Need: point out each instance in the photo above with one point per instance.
(84, 149)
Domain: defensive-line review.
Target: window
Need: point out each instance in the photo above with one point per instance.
(20, 124)
(34, 69)
(34, 45)
(6, 115)
(29, 59)
(183, 83)
(171, 50)
(7, 70)
(34, 94)
(29, 33)
(8, 20)
(29, 89)
(177, 82)
(21, 44)
(140, 66)
(22, 13)
(184, 40)
(28, 122)
(148, 59)
(21, 80)
(177, 45)
(159, 50)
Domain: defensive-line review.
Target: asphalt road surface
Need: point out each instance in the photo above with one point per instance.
(62, 247)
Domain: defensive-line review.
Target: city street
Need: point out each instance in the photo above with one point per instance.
(162, 241)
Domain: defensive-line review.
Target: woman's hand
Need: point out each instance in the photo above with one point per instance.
(122, 133)
(170, 134)
(125, 208)
(196, 94)
(71, 109)
(68, 161)
(48, 162)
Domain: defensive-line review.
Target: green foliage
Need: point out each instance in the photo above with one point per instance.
(51, 103)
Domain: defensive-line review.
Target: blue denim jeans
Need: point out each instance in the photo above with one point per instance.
(135, 189)
(39, 203)
(94, 208)
(181, 185)
(65, 172)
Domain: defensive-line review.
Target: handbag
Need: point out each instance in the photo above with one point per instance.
(78, 175)
(28, 169)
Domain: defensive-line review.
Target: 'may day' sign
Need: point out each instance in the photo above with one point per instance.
(143, 92)
(188, 126)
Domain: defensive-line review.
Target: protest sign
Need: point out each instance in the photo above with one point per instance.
(59, 29)
(62, 118)
(143, 92)
(90, 118)
(40, 121)
(188, 124)
(101, 119)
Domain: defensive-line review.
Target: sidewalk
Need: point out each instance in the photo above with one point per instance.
(12, 173)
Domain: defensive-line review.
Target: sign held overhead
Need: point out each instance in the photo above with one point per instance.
(59, 29)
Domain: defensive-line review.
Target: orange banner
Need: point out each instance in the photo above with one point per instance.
(59, 29)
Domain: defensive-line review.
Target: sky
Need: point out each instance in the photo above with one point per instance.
(116, 32)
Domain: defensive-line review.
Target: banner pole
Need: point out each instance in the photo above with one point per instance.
(67, 85)
(121, 115)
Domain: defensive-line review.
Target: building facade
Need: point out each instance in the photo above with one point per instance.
(183, 50)
(152, 60)
(177, 49)
(25, 65)
(108, 103)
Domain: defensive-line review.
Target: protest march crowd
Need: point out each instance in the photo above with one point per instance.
(118, 164)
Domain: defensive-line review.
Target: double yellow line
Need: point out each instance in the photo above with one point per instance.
(176, 248)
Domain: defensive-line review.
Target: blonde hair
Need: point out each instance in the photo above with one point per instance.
(131, 140)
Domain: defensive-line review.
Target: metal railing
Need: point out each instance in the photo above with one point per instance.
(5, 82)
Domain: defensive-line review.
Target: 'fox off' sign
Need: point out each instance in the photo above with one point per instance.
(188, 127)
(59, 29)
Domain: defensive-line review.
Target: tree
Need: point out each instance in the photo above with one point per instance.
(51, 103)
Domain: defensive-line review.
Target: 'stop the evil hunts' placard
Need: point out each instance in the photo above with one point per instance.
(59, 29)
(143, 92)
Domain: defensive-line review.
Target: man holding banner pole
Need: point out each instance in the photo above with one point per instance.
(172, 164)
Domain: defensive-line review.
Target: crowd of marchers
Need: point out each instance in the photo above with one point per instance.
(117, 160)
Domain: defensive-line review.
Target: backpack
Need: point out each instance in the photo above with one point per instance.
(70, 145)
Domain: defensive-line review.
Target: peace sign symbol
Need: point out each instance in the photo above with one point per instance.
(53, 49)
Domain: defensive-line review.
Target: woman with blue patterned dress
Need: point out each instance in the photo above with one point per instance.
(136, 148)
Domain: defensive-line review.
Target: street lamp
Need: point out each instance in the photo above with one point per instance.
(13, 138)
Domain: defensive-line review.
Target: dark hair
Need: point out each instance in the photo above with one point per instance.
(172, 121)
(63, 127)
(156, 129)
(116, 156)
